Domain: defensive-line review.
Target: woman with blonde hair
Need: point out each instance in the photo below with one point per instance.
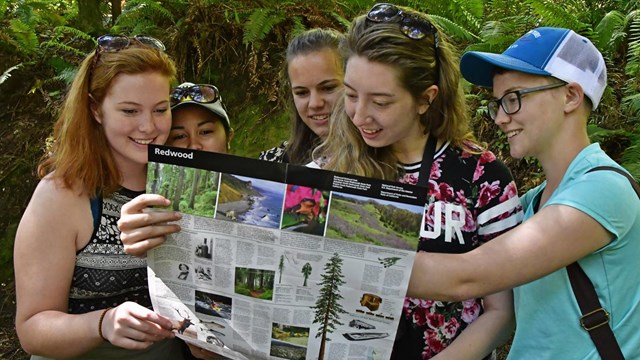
(78, 294)
(404, 119)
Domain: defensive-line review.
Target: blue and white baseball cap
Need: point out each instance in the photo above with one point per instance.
(547, 51)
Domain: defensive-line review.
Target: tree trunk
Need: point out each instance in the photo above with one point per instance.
(116, 10)
(90, 17)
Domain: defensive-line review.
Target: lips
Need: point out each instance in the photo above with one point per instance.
(142, 141)
(512, 133)
(320, 118)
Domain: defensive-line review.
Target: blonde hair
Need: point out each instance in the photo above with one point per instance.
(80, 154)
(418, 65)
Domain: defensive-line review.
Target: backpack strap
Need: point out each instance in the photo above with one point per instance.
(96, 210)
(633, 181)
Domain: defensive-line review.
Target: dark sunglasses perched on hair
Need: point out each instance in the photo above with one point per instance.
(199, 93)
(511, 102)
(118, 42)
(413, 26)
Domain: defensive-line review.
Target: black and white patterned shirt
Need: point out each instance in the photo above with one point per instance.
(104, 275)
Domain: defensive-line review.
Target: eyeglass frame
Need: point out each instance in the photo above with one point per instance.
(500, 104)
(401, 15)
(183, 97)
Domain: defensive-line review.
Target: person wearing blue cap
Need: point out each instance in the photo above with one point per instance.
(546, 85)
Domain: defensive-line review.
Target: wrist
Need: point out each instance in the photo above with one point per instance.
(100, 321)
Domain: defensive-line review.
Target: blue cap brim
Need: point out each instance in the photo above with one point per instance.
(479, 67)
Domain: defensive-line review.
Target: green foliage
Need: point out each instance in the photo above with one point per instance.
(260, 24)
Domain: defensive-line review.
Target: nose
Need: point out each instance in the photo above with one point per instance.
(501, 117)
(194, 143)
(360, 115)
(147, 124)
(316, 100)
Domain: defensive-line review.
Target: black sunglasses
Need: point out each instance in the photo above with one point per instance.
(109, 43)
(413, 26)
(112, 43)
(511, 102)
(203, 94)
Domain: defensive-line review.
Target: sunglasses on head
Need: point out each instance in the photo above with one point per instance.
(110, 43)
(203, 94)
(413, 26)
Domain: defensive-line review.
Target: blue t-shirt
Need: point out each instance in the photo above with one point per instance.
(547, 313)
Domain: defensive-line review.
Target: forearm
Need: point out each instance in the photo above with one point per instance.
(490, 330)
(440, 277)
(56, 334)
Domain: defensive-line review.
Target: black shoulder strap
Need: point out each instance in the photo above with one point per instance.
(427, 161)
(633, 181)
(595, 319)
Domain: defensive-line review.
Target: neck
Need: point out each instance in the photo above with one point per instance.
(410, 150)
(134, 179)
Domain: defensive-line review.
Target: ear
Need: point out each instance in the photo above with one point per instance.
(426, 99)
(95, 110)
(574, 97)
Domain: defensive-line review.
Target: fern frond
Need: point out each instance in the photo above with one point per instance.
(259, 25)
(25, 35)
(298, 26)
(631, 105)
(7, 74)
(558, 14)
(609, 32)
(472, 11)
(633, 48)
(343, 21)
(64, 47)
(452, 29)
(77, 33)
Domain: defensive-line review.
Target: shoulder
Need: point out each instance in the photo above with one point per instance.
(275, 154)
(55, 211)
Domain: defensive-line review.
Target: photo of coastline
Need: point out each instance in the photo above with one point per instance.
(250, 201)
(374, 221)
(305, 210)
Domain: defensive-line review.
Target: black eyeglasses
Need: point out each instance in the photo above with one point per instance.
(203, 94)
(110, 43)
(511, 102)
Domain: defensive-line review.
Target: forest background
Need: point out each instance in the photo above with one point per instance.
(238, 45)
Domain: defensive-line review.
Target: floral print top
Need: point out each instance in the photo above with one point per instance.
(473, 198)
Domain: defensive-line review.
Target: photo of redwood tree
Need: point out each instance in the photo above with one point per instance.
(192, 191)
(328, 308)
(306, 272)
(257, 283)
(281, 268)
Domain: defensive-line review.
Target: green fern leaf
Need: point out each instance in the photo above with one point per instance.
(452, 29)
(259, 25)
(25, 35)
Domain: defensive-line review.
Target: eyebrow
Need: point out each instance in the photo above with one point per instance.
(325, 82)
(371, 94)
(163, 102)
(180, 127)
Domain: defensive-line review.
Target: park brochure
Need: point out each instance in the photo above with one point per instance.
(276, 261)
